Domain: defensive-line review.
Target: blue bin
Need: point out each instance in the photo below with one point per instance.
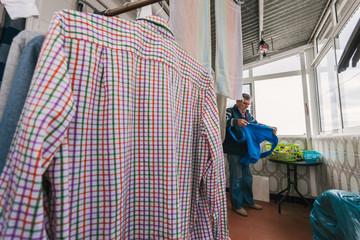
(310, 156)
(336, 216)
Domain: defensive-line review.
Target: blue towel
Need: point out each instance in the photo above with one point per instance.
(254, 134)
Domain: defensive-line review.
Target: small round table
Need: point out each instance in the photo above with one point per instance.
(292, 167)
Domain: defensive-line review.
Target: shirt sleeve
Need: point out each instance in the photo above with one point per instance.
(233, 123)
(228, 117)
(213, 187)
(230, 120)
(42, 127)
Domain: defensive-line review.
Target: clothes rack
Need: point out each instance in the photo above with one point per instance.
(129, 7)
(88, 4)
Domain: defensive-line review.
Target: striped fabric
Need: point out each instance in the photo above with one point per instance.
(190, 22)
(229, 49)
(119, 138)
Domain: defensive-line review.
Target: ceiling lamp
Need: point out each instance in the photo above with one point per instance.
(239, 2)
(263, 48)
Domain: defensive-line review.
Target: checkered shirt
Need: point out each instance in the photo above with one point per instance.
(118, 139)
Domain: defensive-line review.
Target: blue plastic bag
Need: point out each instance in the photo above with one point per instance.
(336, 215)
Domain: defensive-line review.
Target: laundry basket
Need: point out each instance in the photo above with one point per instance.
(284, 152)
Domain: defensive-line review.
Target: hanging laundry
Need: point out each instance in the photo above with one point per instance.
(20, 8)
(118, 139)
(17, 45)
(11, 29)
(190, 22)
(229, 49)
(17, 95)
(2, 19)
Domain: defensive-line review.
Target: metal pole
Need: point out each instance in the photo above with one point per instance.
(129, 7)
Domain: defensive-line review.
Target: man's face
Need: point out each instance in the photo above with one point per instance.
(243, 104)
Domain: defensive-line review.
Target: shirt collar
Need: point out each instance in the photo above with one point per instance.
(242, 112)
(158, 23)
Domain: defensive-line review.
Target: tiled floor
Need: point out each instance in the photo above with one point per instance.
(268, 224)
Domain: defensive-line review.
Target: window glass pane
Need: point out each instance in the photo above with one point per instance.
(230, 102)
(345, 34)
(246, 89)
(328, 97)
(246, 74)
(327, 79)
(280, 103)
(284, 65)
(329, 113)
(350, 98)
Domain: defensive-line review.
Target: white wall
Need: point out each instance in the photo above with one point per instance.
(48, 7)
(46, 10)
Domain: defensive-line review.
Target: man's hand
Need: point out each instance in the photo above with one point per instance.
(242, 122)
(275, 130)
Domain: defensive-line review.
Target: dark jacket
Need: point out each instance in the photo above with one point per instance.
(231, 146)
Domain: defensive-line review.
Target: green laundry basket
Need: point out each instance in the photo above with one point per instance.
(284, 152)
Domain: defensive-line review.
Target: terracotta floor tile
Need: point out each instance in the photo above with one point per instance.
(238, 237)
(268, 224)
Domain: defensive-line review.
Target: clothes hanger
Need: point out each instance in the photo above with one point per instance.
(137, 11)
(157, 12)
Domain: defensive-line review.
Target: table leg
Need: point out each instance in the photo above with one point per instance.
(287, 189)
(291, 181)
(279, 193)
(282, 191)
(296, 188)
(283, 197)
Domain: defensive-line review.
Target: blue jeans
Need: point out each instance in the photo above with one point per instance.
(241, 181)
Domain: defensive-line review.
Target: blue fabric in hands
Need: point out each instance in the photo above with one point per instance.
(254, 134)
(238, 132)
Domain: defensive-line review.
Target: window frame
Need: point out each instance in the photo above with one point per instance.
(319, 56)
(251, 79)
(337, 92)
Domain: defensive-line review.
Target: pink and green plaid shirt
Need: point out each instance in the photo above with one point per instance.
(118, 139)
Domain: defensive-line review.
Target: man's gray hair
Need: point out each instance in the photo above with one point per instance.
(246, 96)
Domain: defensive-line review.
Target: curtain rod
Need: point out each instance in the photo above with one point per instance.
(129, 7)
(89, 5)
